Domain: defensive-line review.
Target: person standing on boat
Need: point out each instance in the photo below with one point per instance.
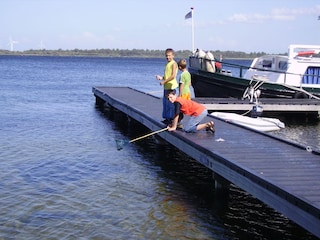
(218, 64)
(169, 82)
(184, 80)
(196, 111)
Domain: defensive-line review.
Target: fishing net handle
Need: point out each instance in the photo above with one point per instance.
(149, 134)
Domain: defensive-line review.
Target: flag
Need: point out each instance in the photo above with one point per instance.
(188, 15)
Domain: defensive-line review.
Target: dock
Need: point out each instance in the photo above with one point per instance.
(282, 174)
(272, 105)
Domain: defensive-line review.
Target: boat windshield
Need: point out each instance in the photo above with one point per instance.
(283, 65)
(275, 63)
(266, 63)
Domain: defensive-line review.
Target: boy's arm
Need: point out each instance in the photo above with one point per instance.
(174, 124)
(181, 86)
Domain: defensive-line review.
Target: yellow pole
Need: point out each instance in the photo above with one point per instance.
(149, 134)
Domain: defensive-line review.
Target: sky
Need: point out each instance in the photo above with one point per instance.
(235, 25)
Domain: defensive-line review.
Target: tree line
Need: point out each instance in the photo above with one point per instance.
(126, 53)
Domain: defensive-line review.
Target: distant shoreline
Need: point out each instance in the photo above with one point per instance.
(138, 53)
(97, 56)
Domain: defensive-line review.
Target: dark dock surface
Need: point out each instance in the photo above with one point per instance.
(282, 174)
(277, 105)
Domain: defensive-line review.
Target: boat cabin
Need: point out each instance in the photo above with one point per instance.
(270, 62)
(300, 68)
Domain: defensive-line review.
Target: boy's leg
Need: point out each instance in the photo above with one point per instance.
(194, 121)
(164, 104)
(180, 125)
(168, 107)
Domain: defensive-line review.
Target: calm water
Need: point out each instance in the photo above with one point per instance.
(63, 178)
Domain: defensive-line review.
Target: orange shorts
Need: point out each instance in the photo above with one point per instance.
(186, 96)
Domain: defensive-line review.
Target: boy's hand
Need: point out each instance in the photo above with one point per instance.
(158, 77)
(170, 128)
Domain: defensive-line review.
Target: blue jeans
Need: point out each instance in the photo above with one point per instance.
(168, 107)
(194, 121)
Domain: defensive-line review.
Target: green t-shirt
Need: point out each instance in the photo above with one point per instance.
(185, 78)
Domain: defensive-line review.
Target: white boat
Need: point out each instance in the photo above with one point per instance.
(299, 70)
(259, 123)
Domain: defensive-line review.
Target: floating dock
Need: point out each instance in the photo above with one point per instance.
(280, 173)
(273, 105)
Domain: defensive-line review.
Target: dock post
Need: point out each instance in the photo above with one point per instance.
(99, 101)
(220, 183)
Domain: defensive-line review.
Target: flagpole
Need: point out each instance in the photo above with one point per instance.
(192, 25)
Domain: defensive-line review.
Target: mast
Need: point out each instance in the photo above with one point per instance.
(192, 25)
(187, 16)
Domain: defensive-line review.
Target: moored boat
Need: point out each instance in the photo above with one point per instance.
(259, 123)
(296, 75)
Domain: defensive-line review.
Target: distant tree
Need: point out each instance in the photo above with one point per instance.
(116, 52)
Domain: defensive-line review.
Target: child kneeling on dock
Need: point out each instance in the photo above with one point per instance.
(196, 111)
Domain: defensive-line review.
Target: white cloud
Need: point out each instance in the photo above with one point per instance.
(277, 14)
(296, 12)
(239, 18)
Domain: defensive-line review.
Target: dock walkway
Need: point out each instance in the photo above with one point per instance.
(282, 174)
(275, 105)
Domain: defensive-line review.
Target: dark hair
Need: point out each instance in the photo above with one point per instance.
(169, 50)
(182, 63)
(171, 92)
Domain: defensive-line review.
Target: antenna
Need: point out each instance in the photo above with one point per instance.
(11, 43)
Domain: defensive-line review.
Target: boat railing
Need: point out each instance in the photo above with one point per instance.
(211, 66)
(311, 76)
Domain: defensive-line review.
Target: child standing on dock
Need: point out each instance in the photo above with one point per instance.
(184, 80)
(195, 110)
(169, 83)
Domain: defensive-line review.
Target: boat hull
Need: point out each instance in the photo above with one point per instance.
(207, 84)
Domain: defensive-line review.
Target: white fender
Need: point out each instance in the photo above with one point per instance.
(209, 62)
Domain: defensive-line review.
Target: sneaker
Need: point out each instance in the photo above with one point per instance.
(210, 127)
(166, 121)
(179, 126)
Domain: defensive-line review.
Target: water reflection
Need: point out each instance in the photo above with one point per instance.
(190, 206)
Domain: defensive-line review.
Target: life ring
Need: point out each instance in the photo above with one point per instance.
(300, 95)
(305, 54)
